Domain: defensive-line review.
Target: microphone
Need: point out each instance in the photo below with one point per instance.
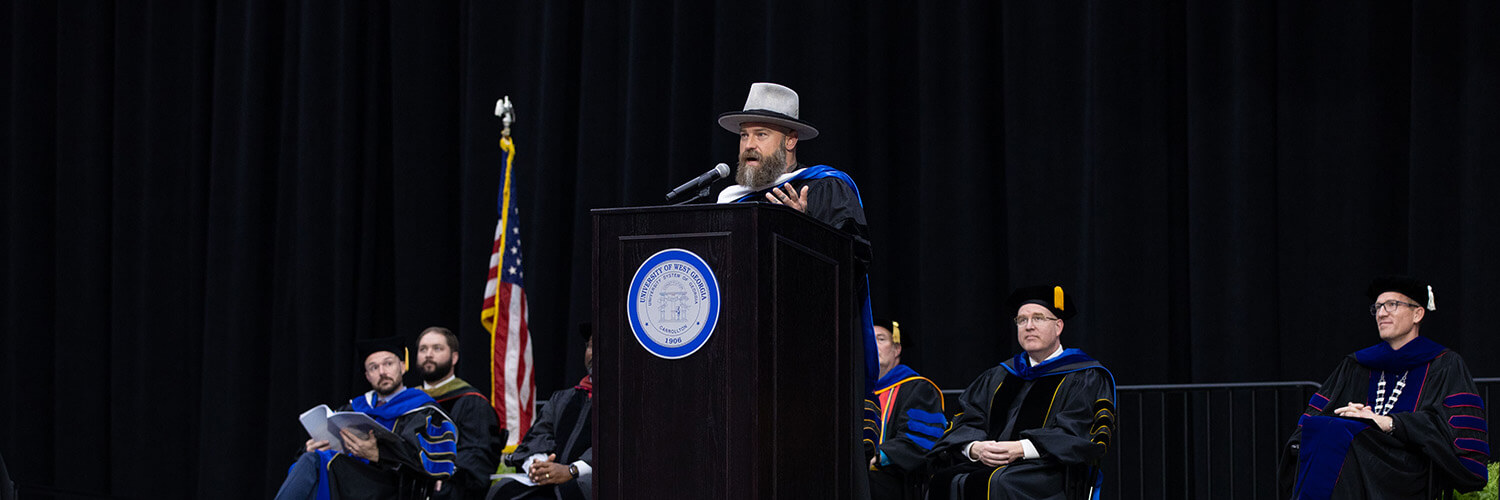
(719, 171)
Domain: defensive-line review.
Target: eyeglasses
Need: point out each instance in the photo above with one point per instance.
(1389, 306)
(1039, 320)
(389, 363)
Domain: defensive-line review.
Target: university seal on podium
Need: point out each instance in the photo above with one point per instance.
(673, 303)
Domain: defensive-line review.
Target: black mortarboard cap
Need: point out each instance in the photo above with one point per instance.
(395, 345)
(585, 330)
(898, 335)
(1050, 297)
(1404, 285)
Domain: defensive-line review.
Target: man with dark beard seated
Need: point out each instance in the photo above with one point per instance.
(404, 464)
(557, 453)
(480, 438)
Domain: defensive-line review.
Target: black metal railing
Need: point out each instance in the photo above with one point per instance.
(1201, 440)
(1209, 440)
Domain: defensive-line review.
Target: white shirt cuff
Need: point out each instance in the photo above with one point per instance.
(1029, 450)
(967, 454)
(583, 468)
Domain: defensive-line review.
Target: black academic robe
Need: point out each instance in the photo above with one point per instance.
(1439, 427)
(408, 468)
(832, 201)
(910, 421)
(564, 428)
(833, 198)
(1065, 406)
(480, 443)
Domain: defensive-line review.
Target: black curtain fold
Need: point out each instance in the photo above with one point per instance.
(206, 203)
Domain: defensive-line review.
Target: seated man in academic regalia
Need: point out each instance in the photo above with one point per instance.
(1391, 415)
(557, 453)
(481, 438)
(375, 465)
(1038, 425)
(910, 419)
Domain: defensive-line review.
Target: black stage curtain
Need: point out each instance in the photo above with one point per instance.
(207, 202)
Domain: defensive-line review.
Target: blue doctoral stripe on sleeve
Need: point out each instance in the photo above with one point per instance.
(437, 468)
(1476, 445)
(1476, 468)
(441, 431)
(1463, 399)
(1318, 401)
(925, 443)
(1467, 422)
(927, 417)
(439, 448)
(925, 428)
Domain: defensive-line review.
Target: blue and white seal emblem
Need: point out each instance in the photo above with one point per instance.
(673, 304)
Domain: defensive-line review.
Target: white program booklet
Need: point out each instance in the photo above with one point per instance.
(324, 424)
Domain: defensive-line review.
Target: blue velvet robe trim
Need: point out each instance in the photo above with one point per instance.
(1020, 367)
(1419, 351)
(1325, 445)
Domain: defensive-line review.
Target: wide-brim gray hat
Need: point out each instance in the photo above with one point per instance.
(770, 103)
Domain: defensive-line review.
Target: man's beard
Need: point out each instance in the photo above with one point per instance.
(440, 370)
(764, 174)
(386, 392)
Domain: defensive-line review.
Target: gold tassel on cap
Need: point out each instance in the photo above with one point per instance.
(895, 332)
(1057, 298)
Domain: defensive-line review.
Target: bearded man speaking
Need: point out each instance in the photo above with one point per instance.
(770, 128)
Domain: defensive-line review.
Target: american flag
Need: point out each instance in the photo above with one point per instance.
(512, 388)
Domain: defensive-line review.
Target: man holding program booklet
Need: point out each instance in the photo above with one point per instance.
(406, 456)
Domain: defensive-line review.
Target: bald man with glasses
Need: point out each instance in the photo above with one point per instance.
(1037, 425)
(1393, 419)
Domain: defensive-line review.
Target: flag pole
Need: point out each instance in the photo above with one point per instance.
(511, 384)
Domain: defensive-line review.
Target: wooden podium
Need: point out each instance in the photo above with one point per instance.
(767, 404)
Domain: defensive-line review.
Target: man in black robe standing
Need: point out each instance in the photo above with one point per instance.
(1037, 426)
(1391, 416)
(481, 440)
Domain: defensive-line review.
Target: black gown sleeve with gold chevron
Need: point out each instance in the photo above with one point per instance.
(1064, 405)
(481, 440)
(408, 467)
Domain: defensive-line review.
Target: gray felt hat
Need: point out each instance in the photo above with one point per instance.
(770, 103)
